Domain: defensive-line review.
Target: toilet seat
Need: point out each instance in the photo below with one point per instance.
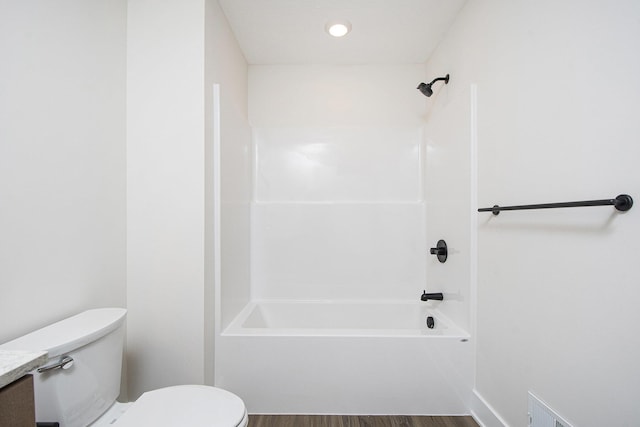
(186, 405)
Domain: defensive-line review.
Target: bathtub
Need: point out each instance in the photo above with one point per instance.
(346, 357)
(342, 318)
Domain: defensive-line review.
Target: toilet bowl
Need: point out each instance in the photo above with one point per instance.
(79, 385)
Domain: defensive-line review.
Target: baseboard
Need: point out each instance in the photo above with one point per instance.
(483, 413)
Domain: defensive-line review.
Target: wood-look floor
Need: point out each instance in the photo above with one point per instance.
(357, 421)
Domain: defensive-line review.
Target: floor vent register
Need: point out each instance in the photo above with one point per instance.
(541, 415)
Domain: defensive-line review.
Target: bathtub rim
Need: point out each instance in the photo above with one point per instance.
(235, 329)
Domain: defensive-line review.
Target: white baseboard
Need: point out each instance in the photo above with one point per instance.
(483, 413)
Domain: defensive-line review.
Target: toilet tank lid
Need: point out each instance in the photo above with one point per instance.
(71, 333)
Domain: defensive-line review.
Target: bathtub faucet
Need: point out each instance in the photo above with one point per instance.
(434, 296)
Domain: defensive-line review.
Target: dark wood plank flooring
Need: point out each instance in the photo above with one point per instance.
(357, 421)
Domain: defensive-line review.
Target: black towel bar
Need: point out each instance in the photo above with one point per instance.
(622, 203)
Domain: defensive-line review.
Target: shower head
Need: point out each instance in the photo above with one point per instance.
(426, 88)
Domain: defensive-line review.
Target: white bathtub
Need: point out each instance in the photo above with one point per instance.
(342, 318)
(346, 357)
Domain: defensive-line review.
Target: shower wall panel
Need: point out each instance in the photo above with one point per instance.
(338, 251)
(346, 164)
(338, 213)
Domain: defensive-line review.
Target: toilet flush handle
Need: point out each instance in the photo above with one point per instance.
(65, 363)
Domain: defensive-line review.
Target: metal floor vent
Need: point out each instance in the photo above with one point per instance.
(541, 415)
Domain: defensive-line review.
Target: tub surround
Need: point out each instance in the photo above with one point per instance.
(338, 214)
(15, 364)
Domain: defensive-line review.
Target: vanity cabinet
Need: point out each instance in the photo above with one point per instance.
(17, 406)
(17, 403)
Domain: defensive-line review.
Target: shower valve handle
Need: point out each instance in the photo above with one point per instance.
(440, 250)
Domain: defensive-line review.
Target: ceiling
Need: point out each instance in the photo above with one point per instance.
(383, 31)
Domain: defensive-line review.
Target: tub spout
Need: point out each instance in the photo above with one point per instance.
(434, 296)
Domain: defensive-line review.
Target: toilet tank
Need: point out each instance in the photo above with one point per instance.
(77, 395)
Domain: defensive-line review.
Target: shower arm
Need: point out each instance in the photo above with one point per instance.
(446, 80)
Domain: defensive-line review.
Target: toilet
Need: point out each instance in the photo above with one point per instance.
(79, 384)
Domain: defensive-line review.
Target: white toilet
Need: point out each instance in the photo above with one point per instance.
(79, 385)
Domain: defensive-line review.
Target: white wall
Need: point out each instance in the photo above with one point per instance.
(338, 195)
(62, 160)
(557, 121)
(165, 193)
(335, 95)
(177, 51)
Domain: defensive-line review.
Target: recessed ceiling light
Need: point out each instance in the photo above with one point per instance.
(338, 29)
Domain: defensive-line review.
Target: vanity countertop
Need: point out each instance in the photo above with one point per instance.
(15, 364)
